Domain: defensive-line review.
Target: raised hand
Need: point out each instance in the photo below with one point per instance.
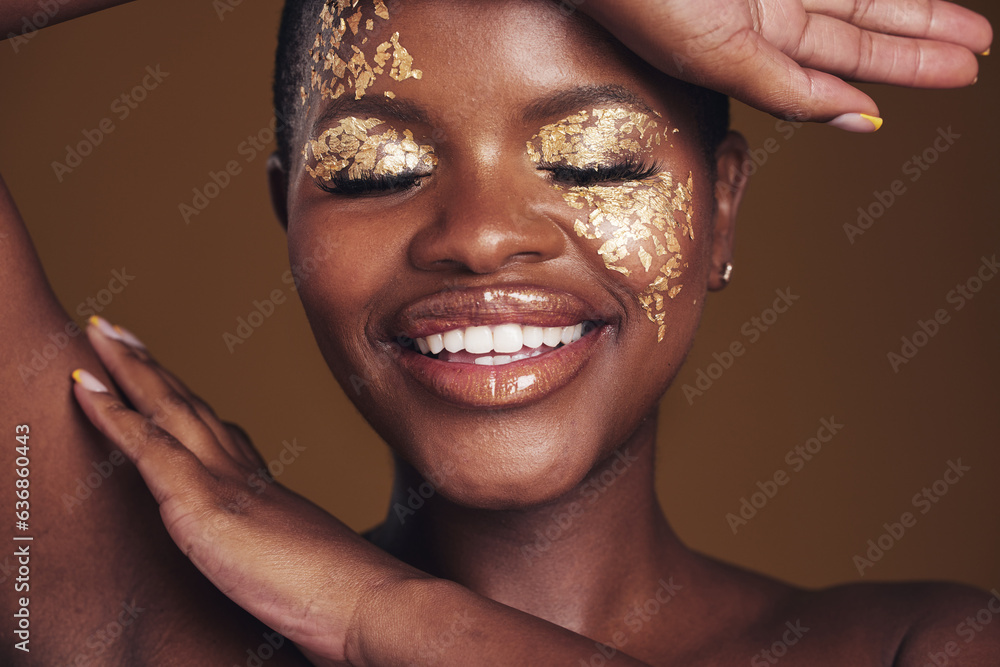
(791, 57)
(286, 561)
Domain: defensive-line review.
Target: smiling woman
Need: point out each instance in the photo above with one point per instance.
(503, 226)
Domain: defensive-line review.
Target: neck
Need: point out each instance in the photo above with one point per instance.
(579, 561)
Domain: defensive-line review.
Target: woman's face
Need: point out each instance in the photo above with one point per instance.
(505, 181)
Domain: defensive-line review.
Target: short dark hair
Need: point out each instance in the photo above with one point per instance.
(292, 68)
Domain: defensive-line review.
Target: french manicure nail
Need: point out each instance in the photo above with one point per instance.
(985, 53)
(88, 381)
(129, 337)
(105, 328)
(857, 122)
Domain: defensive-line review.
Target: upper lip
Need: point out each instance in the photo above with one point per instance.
(478, 306)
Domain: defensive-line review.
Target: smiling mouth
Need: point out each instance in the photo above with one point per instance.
(499, 344)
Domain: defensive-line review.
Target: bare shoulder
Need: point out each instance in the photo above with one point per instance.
(877, 624)
(913, 624)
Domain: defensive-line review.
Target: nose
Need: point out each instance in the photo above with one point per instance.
(486, 222)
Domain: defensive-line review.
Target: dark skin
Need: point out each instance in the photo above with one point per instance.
(462, 227)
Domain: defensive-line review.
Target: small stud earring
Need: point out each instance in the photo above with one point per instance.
(727, 273)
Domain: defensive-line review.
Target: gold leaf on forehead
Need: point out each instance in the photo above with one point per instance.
(380, 10)
(354, 21)
(391, 95)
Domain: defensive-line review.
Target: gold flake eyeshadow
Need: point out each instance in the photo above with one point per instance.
(352, 146)
(636, 220)
(331, 76)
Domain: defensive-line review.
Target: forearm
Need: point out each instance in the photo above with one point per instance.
(434, 621)
(18, 17)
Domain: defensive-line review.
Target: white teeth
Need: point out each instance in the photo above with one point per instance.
(454, 340)
(507, 338)
(532, 337)
(552, 336)
(511, 342)
(478, 340)
(484, 361)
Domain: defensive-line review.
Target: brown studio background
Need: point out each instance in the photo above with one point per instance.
(825, 357)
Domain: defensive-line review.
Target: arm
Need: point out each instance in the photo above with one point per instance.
(19, 17)
(106, 585)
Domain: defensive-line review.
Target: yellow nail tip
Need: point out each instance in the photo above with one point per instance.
(985, 53)
(77, 376)
(874, 120)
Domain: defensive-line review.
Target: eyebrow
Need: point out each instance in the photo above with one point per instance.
(401, 110)
(560, 103)
(573, 99)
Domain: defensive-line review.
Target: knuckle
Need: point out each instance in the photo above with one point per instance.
(236, 431)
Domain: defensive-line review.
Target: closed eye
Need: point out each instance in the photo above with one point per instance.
(369, 184)
(627, 170)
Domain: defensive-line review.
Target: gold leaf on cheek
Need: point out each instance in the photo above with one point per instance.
(629, 217)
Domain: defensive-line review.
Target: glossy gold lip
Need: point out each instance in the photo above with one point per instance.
(511, 385)
(467, 307)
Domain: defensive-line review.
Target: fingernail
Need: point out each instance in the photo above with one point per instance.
(129, 337)
(88, 381)
(857, 122)
(105, 328)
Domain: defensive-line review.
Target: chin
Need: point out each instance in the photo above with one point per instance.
(496, 464)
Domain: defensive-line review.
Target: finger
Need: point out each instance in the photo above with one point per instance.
(205, 412)
(154, 398)
(847, 51)
(925, 19)
(245, 444)
(169, 469)
(752, 70)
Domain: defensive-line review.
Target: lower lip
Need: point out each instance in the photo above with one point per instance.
(515, 384)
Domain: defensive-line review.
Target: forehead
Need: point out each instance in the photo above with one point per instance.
(488, 59)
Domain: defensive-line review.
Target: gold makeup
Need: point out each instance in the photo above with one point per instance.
(637, 220)
(355, 145)
(337, 70)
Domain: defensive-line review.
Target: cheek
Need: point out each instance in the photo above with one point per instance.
(644, 232)
(332, 273)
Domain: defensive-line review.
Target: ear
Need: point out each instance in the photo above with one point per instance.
(732, 165)
(277, 180)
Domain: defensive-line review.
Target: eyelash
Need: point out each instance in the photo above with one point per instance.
(627, 170)
(369, 183)
(378, 184)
